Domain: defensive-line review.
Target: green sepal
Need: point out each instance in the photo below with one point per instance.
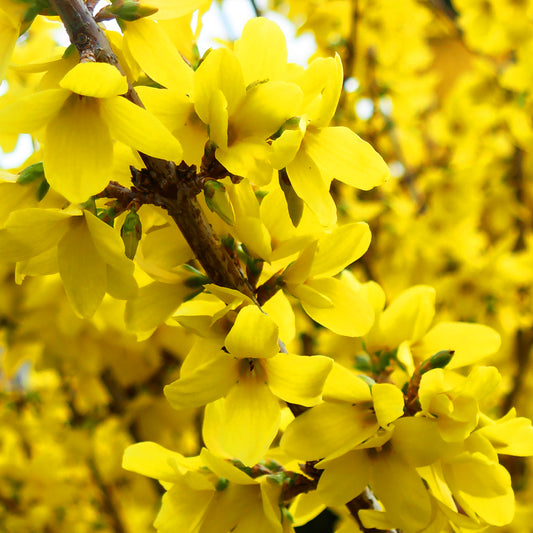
(218, 201)
(31, 173)
(363, 362)
(128, 10)
(294, 202)
(42, 189)
(221, 484)
(438, 360)
(131, 233)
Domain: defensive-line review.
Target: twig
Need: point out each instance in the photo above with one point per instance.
(256, 9)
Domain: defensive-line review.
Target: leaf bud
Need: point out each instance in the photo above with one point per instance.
(129, 10)
(218, 201)
(131, 233)
(438, 360)
(31, 173)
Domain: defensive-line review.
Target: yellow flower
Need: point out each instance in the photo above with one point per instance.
(206, 494)
(242, 384)
(328, 300)
(82, 120)
(314, 154)
(88, 253)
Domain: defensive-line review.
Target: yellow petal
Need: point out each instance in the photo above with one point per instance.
(170, 9)
(100, 80)
(253, 233)
(340, 248)
(261, 50)
(253, 335)
(296, 378)
(345, 386)
(30, 113)
(244, 423)
(340, 154)
(219, 71)
(205, 384)
(9, 32)
(82, 270)
(471, 342)
(151, 459)
(407, 504)
(388, 402)
(417, 440)
(30, 232)
(344, 478)
(312, 188)
(109, 244)
(157, 56)
(350, 315)
(408, 316)
(327, 429)
(265, 109)
(139, 129)
(77, 160)
(153, 304)
(225, 469)
(510, 437)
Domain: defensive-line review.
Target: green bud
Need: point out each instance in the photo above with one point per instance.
(194, 282)
(31, 173)
(294, 202)
(128, 10)
(89, 205)
(368, 380)
(131, 233)
(222, 483)
(438, 360)
(363, 362)
(218, 201)
(42, 189)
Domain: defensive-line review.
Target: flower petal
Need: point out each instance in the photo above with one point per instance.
(388, 403)
(408, 317)
(327, 429)
(157, 56)
(205, 384)
(407, 504)
(30, 113)
(350, 314)
(152, 460)
(100, 80)
(244, 423)
(153, 304)
(344, 478)
(253, 335)
(30, 232)
(312, 188)
(296, 378)
(219, 71)
(139, 129)
(78, 151)
(261, 50)
(340, 154)
(470, 342)
(417, 440)
(265, 109)
(340, 248)
(82, 270)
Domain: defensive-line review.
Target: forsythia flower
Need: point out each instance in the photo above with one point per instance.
(206, 494)
(247, 380)
(82, 119)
